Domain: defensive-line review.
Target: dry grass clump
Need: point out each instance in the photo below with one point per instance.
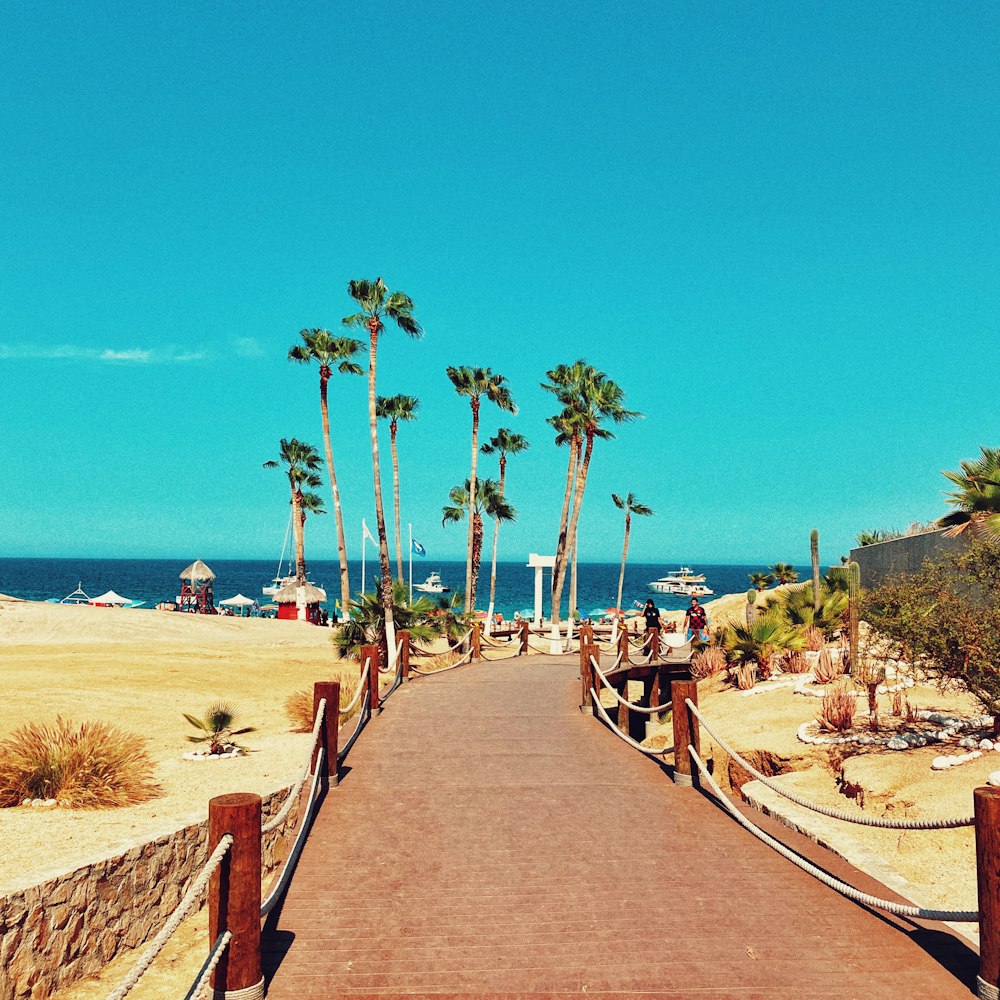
(827, 669)
(709, 661)
(93, 766)
(438, 662)
(837, 712)
(299, 704)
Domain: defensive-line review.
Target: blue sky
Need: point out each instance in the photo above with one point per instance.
(774, 225)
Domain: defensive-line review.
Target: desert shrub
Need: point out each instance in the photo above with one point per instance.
(827, 669)
(837, 711)
(815, 639)
(746, 676)
(795, 663)
(94, 765)
(709, 661)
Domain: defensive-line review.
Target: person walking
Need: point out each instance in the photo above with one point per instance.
(696, 621)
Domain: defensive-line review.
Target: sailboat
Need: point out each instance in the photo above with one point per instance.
(281, 579)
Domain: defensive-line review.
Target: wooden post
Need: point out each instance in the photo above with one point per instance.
(477, 641)
(686, 731)
(234, 894)
(987, 811)
(623, 645)
(525, 628)
(330, 730)
(403, 637)
(654, 643)
(372, 653)
(588, 677)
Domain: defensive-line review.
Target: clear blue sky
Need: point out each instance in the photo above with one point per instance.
(774, 224)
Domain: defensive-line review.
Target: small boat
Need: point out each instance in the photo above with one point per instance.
(280, 580)
(682, 581)
(77, 597)
(432, 585)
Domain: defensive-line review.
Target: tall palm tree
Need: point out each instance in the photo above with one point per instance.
(302, 462)
(977, 498)
(377, 302)
(477, 383)
(631, 506)
(394, 409)
(589, 400)
(488, 501)
(784, 573)
(331, 352)
(505, 442)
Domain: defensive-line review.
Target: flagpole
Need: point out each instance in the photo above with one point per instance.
(409, 530)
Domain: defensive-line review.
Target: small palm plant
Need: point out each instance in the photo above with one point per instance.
(217, 728)
(761, 581)
(761, 640)
(784, 573)
(976, 498)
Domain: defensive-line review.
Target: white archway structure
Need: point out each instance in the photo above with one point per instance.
(539, 564)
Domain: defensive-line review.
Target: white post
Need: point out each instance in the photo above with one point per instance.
(538, 596)
(409, 529)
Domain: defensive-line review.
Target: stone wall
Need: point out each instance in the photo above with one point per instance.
(69, 927)
(902, 555)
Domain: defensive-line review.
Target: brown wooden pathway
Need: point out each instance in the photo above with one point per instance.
(491, 840)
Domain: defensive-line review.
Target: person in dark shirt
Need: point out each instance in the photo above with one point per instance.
(652, 615)
(695, 620)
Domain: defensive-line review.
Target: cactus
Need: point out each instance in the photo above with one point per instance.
(814, 552)
(853, 595)
(751, 610)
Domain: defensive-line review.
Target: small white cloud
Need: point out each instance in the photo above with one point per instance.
(248, 347)
(136, 356)
(107, 355)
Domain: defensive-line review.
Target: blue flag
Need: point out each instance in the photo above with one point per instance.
(418, 549)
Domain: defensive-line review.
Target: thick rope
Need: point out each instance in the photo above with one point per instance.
(451, 666)
(363, 717)
(642, 709)
(847, 817)
(279, 817)
(389, 670)
(985, 990)
(184, 907)
(450, 649)
(488, 640)
(198, 986)
(899, 909)
(501, 655)
(628, 739)
(300, 839)
(360, 688)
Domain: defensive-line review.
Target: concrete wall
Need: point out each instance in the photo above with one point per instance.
(902, 555)
(70, 927)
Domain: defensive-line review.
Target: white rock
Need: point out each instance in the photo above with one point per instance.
(896, 743)
(994, 778)
(986, 745)
(25, 802)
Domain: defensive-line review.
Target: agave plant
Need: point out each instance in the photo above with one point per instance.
(760, 640)
(217, 727)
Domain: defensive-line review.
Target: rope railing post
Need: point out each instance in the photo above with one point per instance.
(329, 732)
(624, 717)
(404, 654)
(525, 631)
(588, 677)
(477, 640)
(987, 809)
(373, 655)
(234, 896)
(654, 644)
(686, 731)
(623, 645)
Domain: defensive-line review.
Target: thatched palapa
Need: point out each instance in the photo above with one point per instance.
(311, 594)
(197, 571)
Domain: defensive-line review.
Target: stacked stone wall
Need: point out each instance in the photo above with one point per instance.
(71, 926)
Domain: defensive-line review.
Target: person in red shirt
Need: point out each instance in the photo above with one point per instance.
(696, 621)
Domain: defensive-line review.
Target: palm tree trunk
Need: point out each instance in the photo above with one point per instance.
(496, 535)
(300, 545)
(385, 581)
(345, 583)
(621, 575)
(470, 590)
(477, 551)
(395, 498)
(581, 484)
(574, 451)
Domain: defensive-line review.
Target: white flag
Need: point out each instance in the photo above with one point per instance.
(368, 534)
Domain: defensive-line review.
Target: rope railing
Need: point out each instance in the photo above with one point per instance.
(625, 736)
(205, 972)
(293, 855)
(362, 719)
(466, 657)
(642, 709)
(898, 909)
(387, 669)
(441, 652)
(362, 687)
(293, 794)
(184, 907)
(847, 817)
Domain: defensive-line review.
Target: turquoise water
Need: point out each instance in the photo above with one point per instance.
(155, 580)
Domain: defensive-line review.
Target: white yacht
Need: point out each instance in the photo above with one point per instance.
(432, 585)
(682, 581)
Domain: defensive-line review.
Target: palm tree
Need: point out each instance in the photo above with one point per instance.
(505, 442)
(977, 498)
(476, 383)
(631, 506)
(331, 352)
(377, 302)
(488, 501)
(784, 573)
(394, 409)
(589, 398)
(761, 580)
(367, 626)
(302, 461)
(760, 640)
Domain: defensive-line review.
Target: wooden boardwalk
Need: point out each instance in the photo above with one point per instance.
(489, 839)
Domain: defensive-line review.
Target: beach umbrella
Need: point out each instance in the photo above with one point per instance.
(239, 601)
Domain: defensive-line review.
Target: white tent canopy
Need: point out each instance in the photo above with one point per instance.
(110, 598)
(239, 601)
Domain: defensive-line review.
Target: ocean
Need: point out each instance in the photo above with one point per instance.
(156, 580)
